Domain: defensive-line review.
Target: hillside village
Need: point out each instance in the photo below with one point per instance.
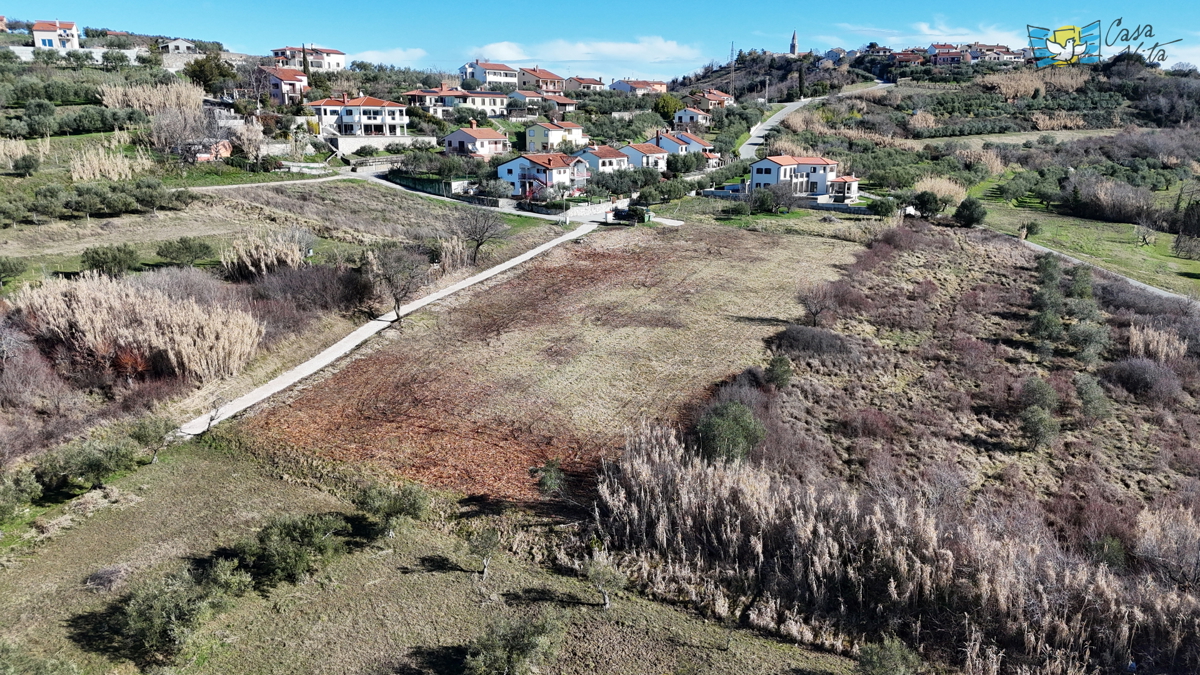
(870, 360)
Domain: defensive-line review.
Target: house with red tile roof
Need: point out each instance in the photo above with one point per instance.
(474, 141)
(695, 143)
(441, 101)
(531, 173)
(710, 99)
(285, 85)
(604, 158)
(950, 58)
(489, 73)
(539, 79)
(811, 177)
(639, 87)
(670, 143)
(547, 136)
(584, 84)
(646, 155)
(360, 116)
(55, 34)
(319, 58)
(692, 117)
(940, 48)
(561, 103)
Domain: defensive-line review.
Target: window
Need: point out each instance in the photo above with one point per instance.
(510, 172)
(758, 170)
(47, 43)
(767, 170)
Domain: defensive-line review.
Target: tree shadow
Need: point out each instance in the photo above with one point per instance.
(434, 564)
(531, 596)
(447, 660)
(99, 632)
(477, 506)
(761, 320)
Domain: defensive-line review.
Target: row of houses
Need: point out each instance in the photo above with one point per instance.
(946, 54)
(543, 81)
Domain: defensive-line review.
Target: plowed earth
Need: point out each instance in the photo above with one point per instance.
(558, 359)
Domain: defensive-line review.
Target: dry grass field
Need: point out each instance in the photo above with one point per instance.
(559, 359)
(407, 605)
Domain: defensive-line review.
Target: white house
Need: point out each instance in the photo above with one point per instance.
(59, 34)
(286, 85)
(319, 58)
(645, 155)
(695, 143)
(489, 73)
(362, 116)
(539, 79)
(604, 159)
(562, 103)
(639, 87)
(812, 177)
(547, 136)
(527, 96)
(441, 101)
(177, 46)
(476, 142)
(584, 84)
(673, 145)
(531, 173)
(692, 117)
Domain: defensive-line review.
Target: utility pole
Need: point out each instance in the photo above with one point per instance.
(768, 90)
(732, 69)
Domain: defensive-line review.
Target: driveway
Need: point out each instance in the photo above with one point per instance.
(751, 146)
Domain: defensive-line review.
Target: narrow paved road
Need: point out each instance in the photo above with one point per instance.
(361, 335)
(751, 146)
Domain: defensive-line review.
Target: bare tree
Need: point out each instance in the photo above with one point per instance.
(401, 272)
(785, 198)
(171, 127)
(480, 226)
(250, 137)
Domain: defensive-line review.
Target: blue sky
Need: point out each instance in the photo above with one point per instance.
(616, 38)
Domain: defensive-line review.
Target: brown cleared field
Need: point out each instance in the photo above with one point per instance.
(559, 359)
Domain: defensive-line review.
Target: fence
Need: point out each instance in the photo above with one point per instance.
(815, 206)
(433, 186)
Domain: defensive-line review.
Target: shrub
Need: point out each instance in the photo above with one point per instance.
(1149, 381)
(1091, 339)
(27, 165)
(927, 204)
(1037, 392)
(87, 463)
(883, 208)
(1083, 309)
(1081, 282)
(1093, 404)
(11, 268)
(1048, 298)
(1049, 269)
(739, 209)
(367, 151)
(729, 432)
(1047, 325)
(550, 477)
(1039, 426)
(970, 212)
(289, 548)
(1032, 228)
(390, 507)
(602, 573)
(890, 657)
(184, 250)
(803, 341)
(113, 261)
(516, 647)
(869, 423)
(779, 371)
(18, 487)
(158, 617)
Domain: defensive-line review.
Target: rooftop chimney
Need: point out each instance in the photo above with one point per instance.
(473, 124)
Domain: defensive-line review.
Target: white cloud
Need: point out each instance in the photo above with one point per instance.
(617, 59)
(394, 57)
(940, 30)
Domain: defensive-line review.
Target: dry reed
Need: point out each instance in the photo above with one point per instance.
(942, 187)
(1057, 120)
(94, 162)
(1161, 345)
(106, 320)
(11, 150)
(1023, 83)
(151, 98)
(823, 564)
(262, 253)
(986, 158)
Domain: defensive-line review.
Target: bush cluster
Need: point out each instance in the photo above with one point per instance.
(92, 199)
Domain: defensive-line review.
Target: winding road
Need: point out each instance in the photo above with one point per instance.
(751, 146)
